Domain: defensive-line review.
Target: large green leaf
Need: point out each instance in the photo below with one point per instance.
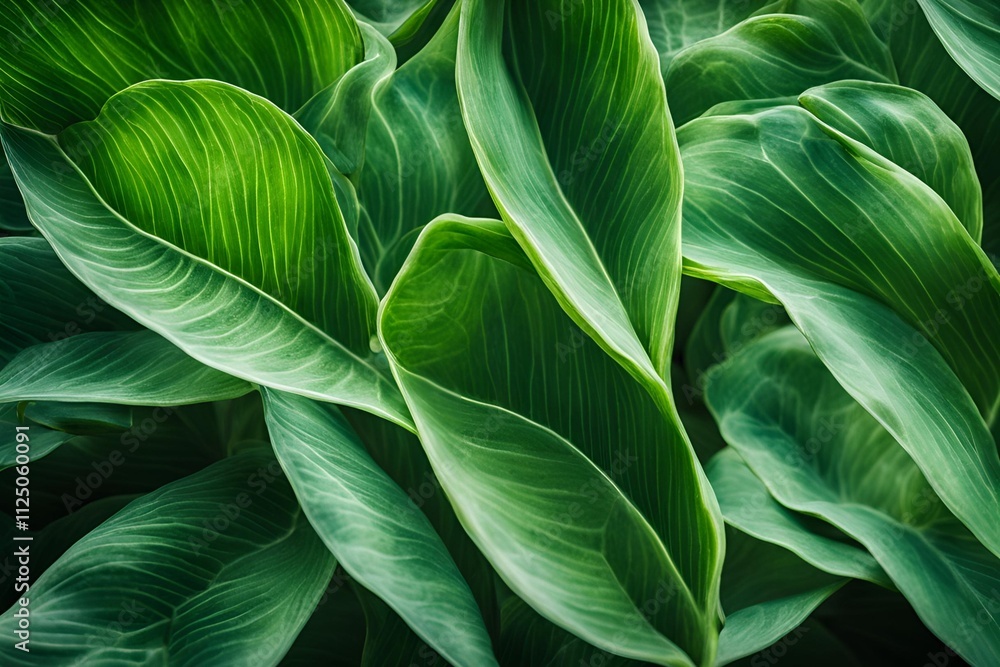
(910, 130)
(890, 289)
(252, 272)
(791, 45)
(577, 148)
(970, 30)
(195, 573)
(924, 64)
(772, 400)
(676, 24)
(559, 464)
(749, 507)
(133, 368)
(60, 64)
(371, 526)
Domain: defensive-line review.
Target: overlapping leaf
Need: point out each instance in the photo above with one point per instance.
(888, 286)
(551, 453)
(250, 271)
(195, 573)
(60, 63)
(772, 403)
(791, 45)
(371, 526)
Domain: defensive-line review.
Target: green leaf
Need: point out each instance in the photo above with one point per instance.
(907, 128)
(80, 418)
(796, 45)
(676, 24)
(337, 115)
(60, 63)
(398, 20)
(50, 543)
(582, 164)
(778, 395)
(747, 506)
(217, 273)
(418, 160)
(195, 573)
(970, 30)
(560, 466)
(767, 592)
(925, 65)
(132, 368)
(43, 302)
(892, 292)
(378, 536)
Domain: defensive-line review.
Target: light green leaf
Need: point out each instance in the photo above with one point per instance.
(907, 128)
(892, 292)
(229, 277)
(749, 507)
(767, 592)
(925, 65)
(131, 368)
(337, 115)
(582, 164)
(777, 396)
(195, 573)
(371, 526)
(61, 63)
(791, 45)
(970, 30)
(555, 459)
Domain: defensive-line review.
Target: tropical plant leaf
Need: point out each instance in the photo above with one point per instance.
(545, 157)
(169, 577)
(906, 127)
(859, 480)
(61, 63)
(894, 354)
(540, 439)
(970, 30)
(285, 298)
(132, 368)
(371, 526)
(789, 46)
(79, 418)
(676, 24)
(767, 592)
(749, 507)
(418, 160)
